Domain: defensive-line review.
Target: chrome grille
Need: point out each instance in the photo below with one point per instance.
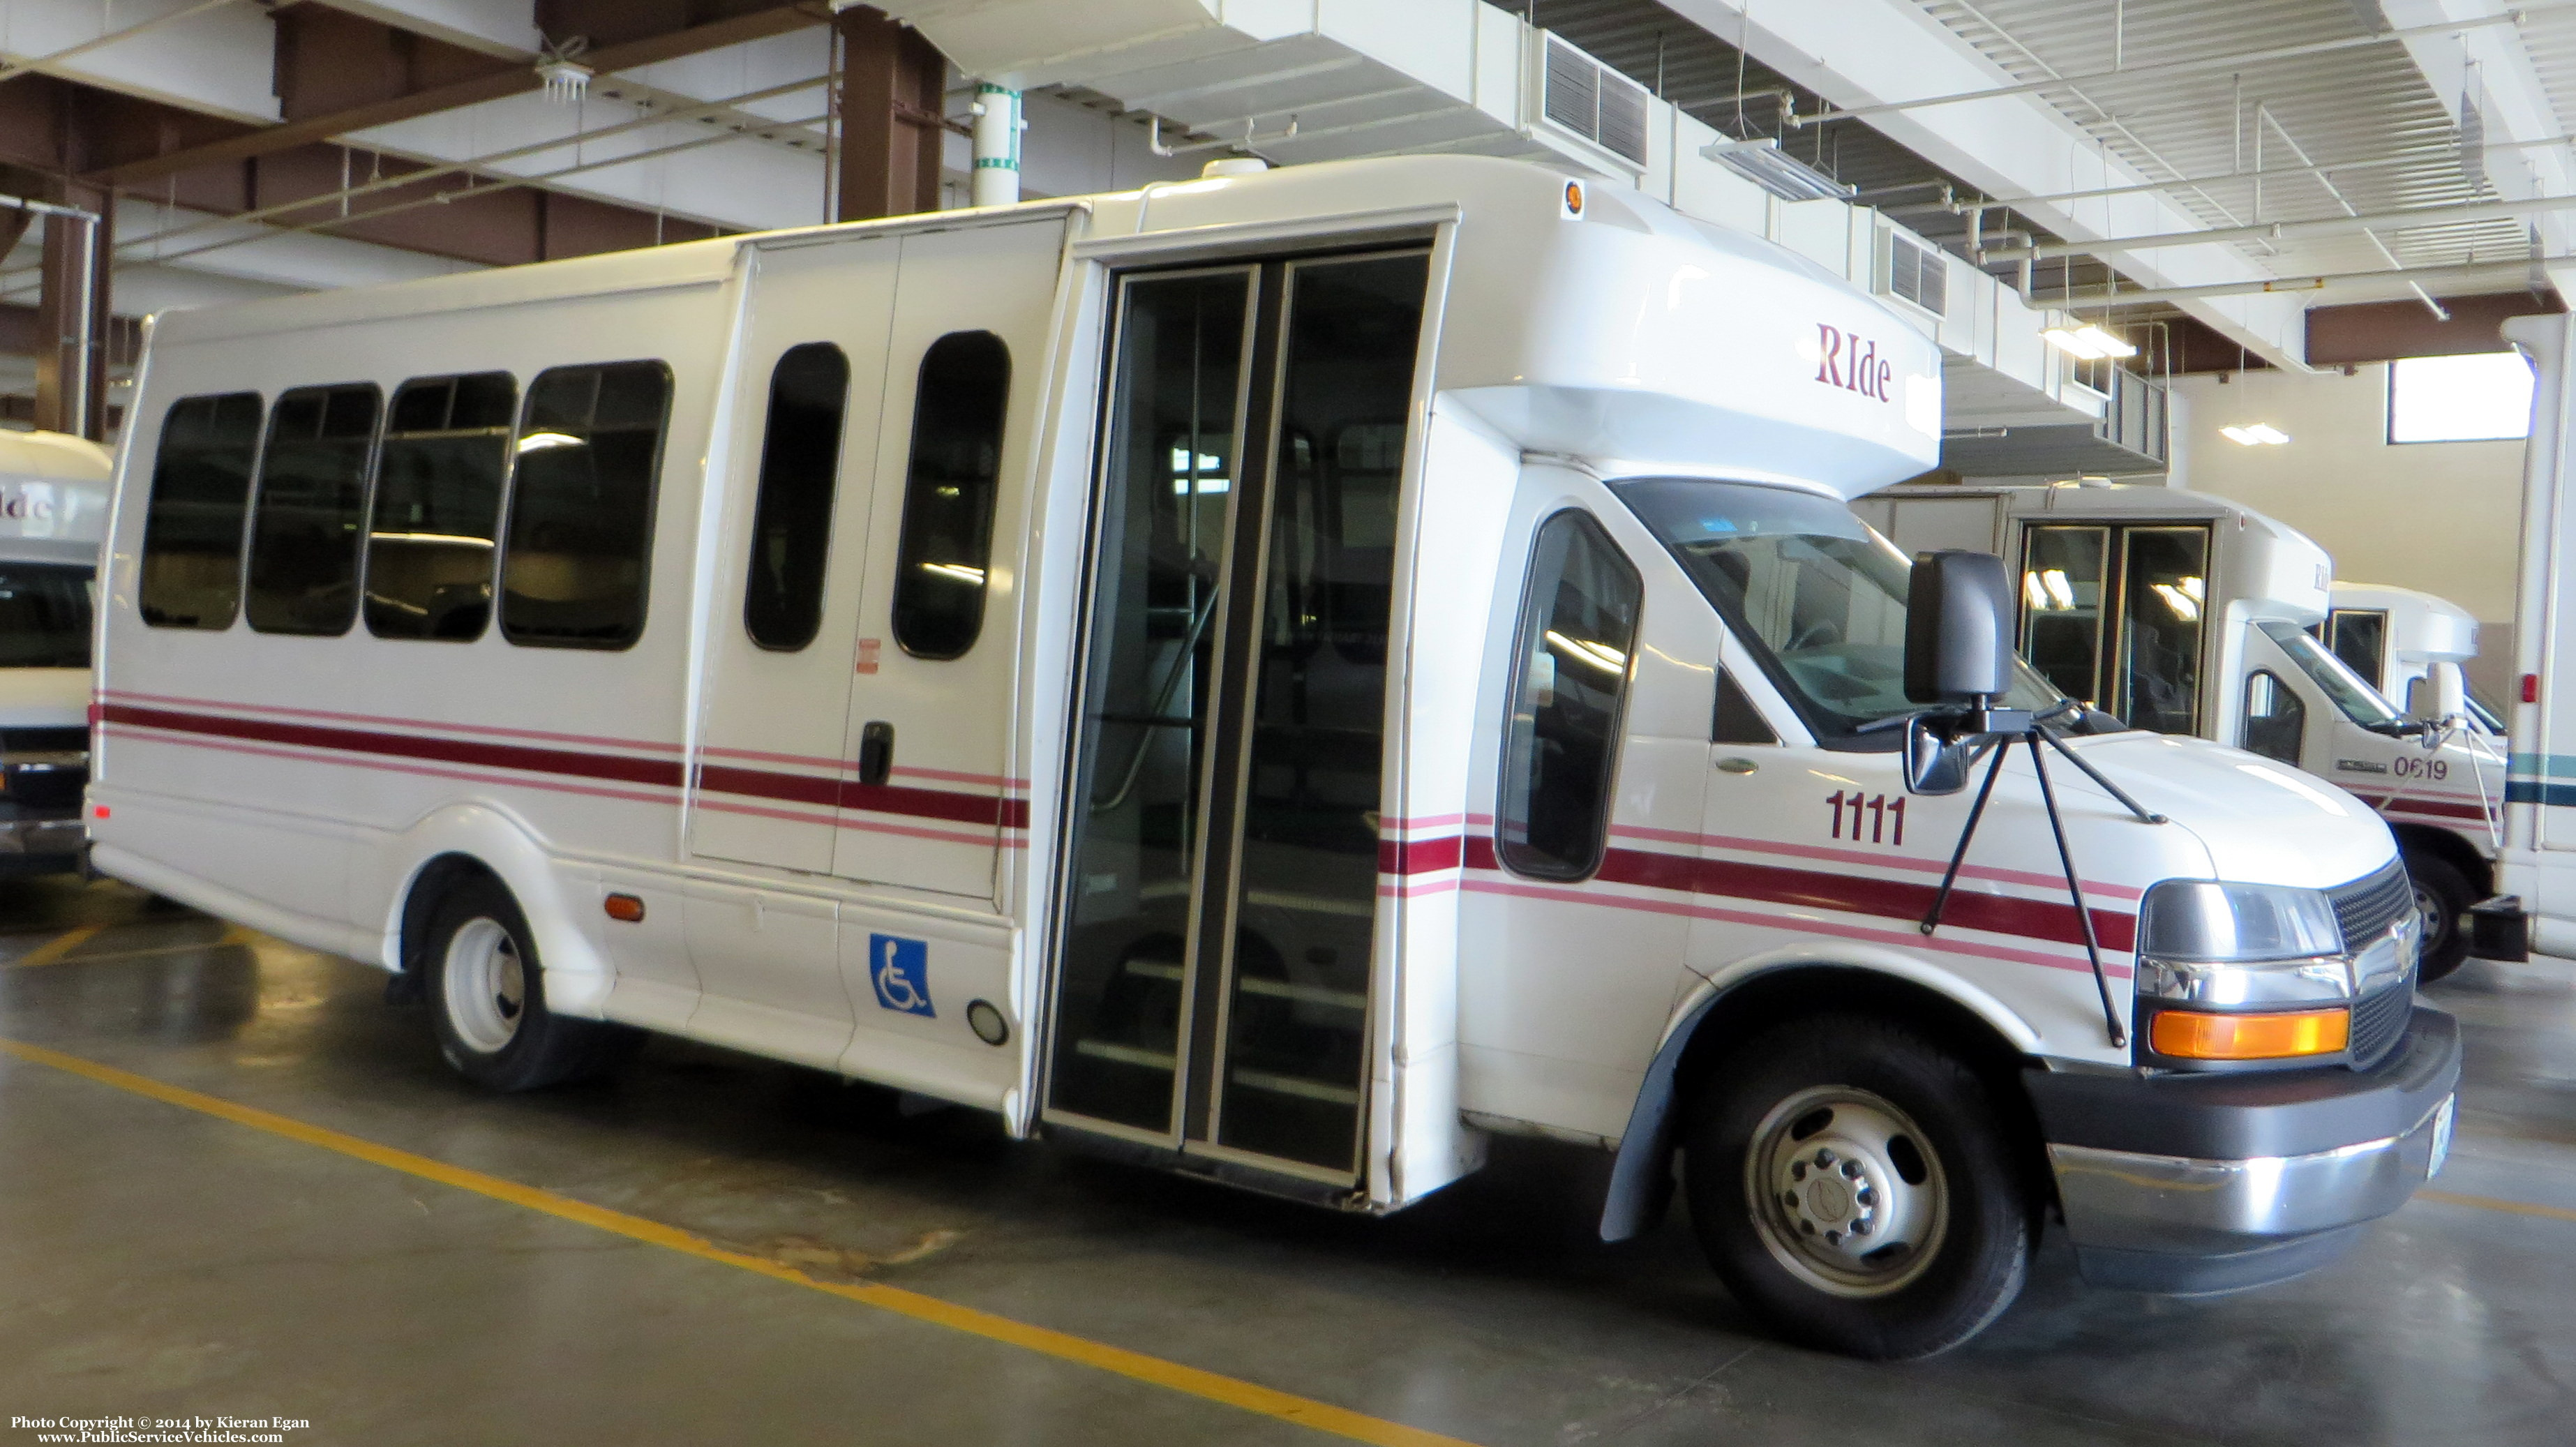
(2365, 909)
(2369, 905)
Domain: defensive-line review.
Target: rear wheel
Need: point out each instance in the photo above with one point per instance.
(488, 998)
(2442, 900)
(1853, 1183)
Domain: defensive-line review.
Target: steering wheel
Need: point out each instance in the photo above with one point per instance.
(1822, 631)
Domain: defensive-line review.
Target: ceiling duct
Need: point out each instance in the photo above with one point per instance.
(1592, 102)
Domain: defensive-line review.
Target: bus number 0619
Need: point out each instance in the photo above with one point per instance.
(1882, 817)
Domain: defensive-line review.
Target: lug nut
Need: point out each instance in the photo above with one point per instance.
(1797, 1170)
(1824, 1156)
(1789, 1199)
(1860, 1227)
(1851, 1170)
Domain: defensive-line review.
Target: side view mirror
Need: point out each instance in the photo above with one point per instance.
(1933, 764)
(1958, 628)
(2444, 693)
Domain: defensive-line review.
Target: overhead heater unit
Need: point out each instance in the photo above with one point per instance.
(1762, 162)
(1582, 98)
(1916, 272)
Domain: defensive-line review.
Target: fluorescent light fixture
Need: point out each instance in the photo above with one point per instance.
(2034, 595)
(2058, 588)
(2257, 434)
(1584, 651)
(2089, 342)
(542, 441)
(2182, 605)
(958, 572)
(1762, 162)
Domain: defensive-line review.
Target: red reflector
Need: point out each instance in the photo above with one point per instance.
(624, 907)
(98, 811)
(2531, 688)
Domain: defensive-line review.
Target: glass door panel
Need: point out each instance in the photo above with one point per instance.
(2164, 572)
(1166, 489)
(1305, 895)
(2063, 571)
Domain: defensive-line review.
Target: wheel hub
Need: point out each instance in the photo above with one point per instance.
(1845, 1193)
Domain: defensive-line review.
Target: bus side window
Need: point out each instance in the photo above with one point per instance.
(192, 528)
(311, 502)
(2275, 719)
(1737, 721)
(791, 519)
(1569, 686)
(437, 511)
(948, 494)
(581, 510)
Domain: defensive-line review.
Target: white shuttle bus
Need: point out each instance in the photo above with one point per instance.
(2183, 613)
(53, 517)
(1282, 677)
(2398, 638)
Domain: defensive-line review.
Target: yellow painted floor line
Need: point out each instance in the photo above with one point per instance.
(1137, 1366)
(232, 935)
(59, 946)
(2496, 1203)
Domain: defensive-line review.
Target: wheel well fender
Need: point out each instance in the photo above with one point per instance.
(2452, 850)
(465, 840)
(1750, 997)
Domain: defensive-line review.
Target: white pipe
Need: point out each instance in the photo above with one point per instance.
(997, 145)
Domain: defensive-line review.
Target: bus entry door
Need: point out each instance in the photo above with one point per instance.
(1214, 993)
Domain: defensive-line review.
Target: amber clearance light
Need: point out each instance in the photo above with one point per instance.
(2195, 1035)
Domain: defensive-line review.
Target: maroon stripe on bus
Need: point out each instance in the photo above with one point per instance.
(811, 789)
(2437, 807)
(1418, 856)
(2040, 919)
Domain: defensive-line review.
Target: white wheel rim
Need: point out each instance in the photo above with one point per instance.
(1845, 1192)
(486, 985)
(2436, 918)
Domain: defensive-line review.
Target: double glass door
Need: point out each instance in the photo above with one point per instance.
(2111, 615)
(1213, 990)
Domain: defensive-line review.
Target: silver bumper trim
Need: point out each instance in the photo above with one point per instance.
(2179, 1205)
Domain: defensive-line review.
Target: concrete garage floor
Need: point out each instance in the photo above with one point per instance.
(159, 1260)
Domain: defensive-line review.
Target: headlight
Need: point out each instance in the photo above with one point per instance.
(2242, 972)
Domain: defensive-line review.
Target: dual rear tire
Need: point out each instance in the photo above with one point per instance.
(1855, 1185)
(487, 997)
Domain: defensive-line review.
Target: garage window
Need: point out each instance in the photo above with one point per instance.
(192, 529)
(2482, 397)
(948, 494)
(304, 541)
(581, 507)
(437, 513)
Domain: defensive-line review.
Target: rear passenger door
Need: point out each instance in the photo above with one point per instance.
(769, 765)
(930, 802)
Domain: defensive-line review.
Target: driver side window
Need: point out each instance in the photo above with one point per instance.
(2275, 719)
(1569, 686)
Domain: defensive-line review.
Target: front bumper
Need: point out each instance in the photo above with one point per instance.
(2210, 1183)
(42, 838)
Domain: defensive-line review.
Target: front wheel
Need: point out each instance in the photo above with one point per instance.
(2442, 901)
(487, 996)
(1855, 1184)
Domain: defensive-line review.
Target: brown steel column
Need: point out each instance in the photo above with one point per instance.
(102, 320)
(59, 313)
(893, 85)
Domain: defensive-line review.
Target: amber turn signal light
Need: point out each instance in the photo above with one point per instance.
(2193, 1035)
(624, 907)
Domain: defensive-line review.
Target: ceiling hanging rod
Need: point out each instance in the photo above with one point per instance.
(2453, 215)
(2328, 168)
(2181, 67)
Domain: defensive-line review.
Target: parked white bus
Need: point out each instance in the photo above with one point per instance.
(2189, 614)
(1280, 676)
(53, 516)
(2396, 639)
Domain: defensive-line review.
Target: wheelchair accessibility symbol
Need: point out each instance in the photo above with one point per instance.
(900, 970)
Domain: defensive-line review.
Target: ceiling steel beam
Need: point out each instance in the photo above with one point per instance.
(503, 81)
(2456, 215)
(2472, 272)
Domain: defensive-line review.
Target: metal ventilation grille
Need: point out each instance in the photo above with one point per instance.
(1583, 96)
(1917, 273)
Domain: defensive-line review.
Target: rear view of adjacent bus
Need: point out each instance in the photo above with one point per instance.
(53, 513)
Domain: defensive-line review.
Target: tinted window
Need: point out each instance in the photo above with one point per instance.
(312, 496)
(948, 494)
(438, 507)
(1737, 720)
(2275, 720)
(2360, 638)
(1578, 625)
(581, 509)
(192, 530)
(791, 522)
(44, 615)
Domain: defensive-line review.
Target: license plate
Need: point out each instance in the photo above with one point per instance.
(2442, 1136)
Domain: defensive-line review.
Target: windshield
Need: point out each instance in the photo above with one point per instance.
(1817, 596)
(2483, 712)
(44, 615)
(2358, 701)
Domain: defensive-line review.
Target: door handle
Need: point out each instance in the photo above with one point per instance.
(876, 752)
(1736, 766)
